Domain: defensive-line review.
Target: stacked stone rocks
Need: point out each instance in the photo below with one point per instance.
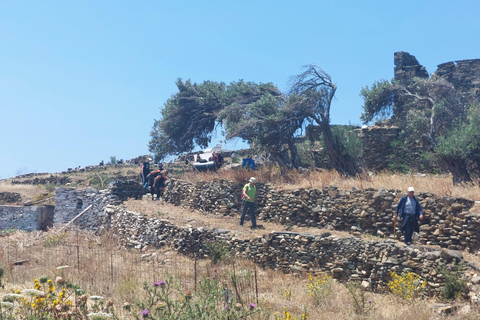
(448, 221)
(69, 203)
(346, 258)
(377, 141)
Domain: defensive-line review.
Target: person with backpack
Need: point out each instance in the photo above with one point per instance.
(144, 172)
(248, 196)
(409, 209)
(159, 184)
(150, 179)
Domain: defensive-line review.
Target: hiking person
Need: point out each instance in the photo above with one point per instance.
(145, 171)
(410, 210)
(248, 197)
(151, 179)
(159, 184)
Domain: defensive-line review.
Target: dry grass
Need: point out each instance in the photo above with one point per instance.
(101, 268)
(440, 185)
(104, 269)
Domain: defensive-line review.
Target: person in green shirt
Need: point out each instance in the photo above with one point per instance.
(248, 196)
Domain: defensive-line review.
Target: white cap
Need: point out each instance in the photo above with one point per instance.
(252, 180)
(410, 189)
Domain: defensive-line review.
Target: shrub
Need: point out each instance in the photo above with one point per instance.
(99, 181)
(45, 301)
(288, 316)
(50, 187)
(2, 271)
(453, 281)
(168, 300)
(319, 287)
(55, 240)
(219, 250)
(406, 286)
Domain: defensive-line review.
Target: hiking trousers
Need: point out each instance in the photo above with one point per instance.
(250, 206)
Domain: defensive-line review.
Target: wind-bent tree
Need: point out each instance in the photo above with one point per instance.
(257, 113)
(311, 95)
(426, 111)
(188, 118)
(266, 124)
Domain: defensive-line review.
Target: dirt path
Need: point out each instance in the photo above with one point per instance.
(181, 217)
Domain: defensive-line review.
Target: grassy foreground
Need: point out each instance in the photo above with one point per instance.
(103, 279)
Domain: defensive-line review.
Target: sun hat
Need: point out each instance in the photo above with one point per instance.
(252, 180)
(410, 189)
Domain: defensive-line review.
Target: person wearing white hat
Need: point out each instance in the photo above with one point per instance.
(248, 197)
(410, 210)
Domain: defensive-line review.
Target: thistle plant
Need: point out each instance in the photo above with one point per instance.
(168, 300)
(219, 250)
(359, 300)
(453, 282)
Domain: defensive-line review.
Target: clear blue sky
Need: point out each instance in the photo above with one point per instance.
(81, 81)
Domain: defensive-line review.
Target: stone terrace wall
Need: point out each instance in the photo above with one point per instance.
(26, 218)
(345, 258)
(448, 221)
(71, 202)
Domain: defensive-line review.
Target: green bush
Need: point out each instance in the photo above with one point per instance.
(219, 250)
(168, 300)
(453, 281)
(50, 187)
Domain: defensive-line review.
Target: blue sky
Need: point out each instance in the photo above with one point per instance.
(81, 81)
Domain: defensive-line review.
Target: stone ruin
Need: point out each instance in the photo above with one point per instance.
(464, 75)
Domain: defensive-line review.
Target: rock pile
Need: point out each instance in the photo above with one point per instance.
(10, 197)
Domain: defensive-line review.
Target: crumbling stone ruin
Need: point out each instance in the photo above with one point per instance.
(464, 75)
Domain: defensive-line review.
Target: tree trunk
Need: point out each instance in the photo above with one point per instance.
(344, 165)
(295, 157)
(458, 169)
(282, 158)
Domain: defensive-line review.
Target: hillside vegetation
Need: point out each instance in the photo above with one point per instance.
(101, 268)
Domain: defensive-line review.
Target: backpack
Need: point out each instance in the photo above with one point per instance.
(152, 176)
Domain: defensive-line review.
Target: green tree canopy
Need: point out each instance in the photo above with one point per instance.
(188, 118)
(257, 113)
(428, 110)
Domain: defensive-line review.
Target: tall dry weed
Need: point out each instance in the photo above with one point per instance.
(440, 185)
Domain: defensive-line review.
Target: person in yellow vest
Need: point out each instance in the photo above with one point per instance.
(248, 196)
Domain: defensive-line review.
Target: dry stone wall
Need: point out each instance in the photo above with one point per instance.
(377, 141)
(348, 258)
(69, 203)
(449, 224)
(448, 221)
(26, 218)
